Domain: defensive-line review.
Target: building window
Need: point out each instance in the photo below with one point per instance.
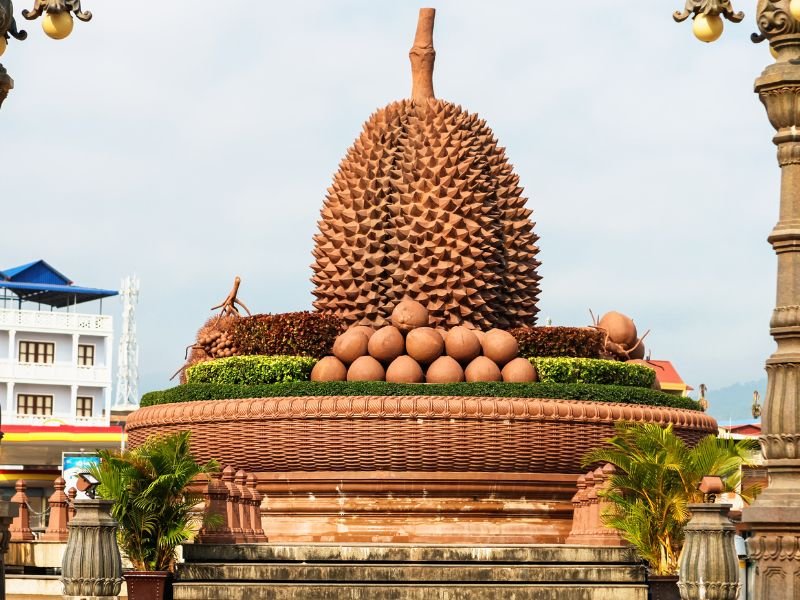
(37, 352)
(34, 404)
(84, 406)
(85, 355)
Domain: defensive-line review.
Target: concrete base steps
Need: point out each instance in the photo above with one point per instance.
(408, 572)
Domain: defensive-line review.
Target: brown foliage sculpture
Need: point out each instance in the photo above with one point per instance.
(425, 205)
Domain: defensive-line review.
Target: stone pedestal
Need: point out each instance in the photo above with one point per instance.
(92, 568)
(7, 513)
(709, 566)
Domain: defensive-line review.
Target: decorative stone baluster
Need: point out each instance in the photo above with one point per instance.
(216, 500)
(57, 523)
(589, 506)
(578, 514)
(7, 510)
(255, 516)
(20, 528)
(599, 485)
(232, 503)
(92, 566)
(72, 493)
(245, 499)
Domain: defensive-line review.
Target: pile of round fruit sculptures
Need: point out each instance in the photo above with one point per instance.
(409, 351)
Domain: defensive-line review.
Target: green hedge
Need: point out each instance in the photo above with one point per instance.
(252, 370)
(582, 342)
(591, 370)
(575, 391)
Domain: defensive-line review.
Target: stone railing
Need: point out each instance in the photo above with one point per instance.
(588, 507)
(33, 320)
(235, 500)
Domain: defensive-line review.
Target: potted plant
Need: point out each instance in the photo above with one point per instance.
(657, 476)
(154, 507)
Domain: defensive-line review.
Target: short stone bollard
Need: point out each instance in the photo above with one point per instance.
(92, 567)
(709, 566)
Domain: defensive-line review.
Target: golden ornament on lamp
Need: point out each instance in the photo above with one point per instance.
(707, 24)
(58, 21)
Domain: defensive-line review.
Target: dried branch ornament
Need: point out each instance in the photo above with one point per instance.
(228, 305)
(426, 205)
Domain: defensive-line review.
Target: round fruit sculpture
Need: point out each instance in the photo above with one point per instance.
(424, 344)
(329, 368)
(482, 369)
(404, 369)
(462, 345)
(519, 370)
(386, 344)
(444, 370)
(500, 346)
(366, 368)
(349, 346)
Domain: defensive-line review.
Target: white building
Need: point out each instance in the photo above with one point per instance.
(55, 373)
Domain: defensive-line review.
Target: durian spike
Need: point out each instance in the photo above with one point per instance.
(422, 56)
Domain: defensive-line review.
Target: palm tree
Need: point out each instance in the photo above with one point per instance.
(152, 504)
(657, 476)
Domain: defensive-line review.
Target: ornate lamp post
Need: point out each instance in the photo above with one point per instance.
(774, 518)
(57, 23)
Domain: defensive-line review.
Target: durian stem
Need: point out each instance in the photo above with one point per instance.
(422, 56)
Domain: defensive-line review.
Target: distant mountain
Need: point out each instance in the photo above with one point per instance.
(733, 403)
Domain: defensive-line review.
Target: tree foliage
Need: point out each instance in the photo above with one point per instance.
(657, 476)
(152, 504)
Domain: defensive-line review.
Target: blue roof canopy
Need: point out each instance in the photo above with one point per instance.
(39, 282)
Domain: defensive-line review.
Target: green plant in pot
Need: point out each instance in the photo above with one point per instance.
(657, 476)
(153, 505)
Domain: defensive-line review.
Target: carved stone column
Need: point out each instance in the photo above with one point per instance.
(709, 566)
(92, 566)
(8, 511)
(774, 518)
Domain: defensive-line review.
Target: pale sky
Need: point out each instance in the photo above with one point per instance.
(188, 146)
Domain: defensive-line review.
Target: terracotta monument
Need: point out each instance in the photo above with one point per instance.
(426, 205)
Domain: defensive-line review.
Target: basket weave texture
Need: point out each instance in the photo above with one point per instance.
(403, 433)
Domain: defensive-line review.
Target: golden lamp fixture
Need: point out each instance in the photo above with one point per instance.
(707, 17)
(58, 21)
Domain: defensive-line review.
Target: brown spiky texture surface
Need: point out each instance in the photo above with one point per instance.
(426, 205)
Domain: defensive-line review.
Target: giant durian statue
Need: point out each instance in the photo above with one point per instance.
(426, 206)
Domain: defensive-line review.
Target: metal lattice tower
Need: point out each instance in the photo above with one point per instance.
(128, 368)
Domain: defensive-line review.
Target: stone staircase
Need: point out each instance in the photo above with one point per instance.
(408, 572)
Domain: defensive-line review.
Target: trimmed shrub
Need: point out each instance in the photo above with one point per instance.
(288, 334)
(576, 391)
(252, 370)
(581, 342)
(591, 370)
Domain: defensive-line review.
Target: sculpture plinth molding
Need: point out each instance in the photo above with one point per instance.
(774, 517)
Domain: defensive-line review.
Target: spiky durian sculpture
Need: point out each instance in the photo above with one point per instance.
(425, 205)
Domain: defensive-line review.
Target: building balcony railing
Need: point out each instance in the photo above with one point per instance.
(63, 373)
(40, 320)
(54, 420)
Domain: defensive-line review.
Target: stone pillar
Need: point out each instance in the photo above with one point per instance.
(7, 514)
(232, 504)
(72, 493)
(75, 339)
(57, 524)
(216, 503)
(578, 516)
(245, 500)
(73, 400)
(255, 506)
(21, 525)
(709, 566)
(774, 518)
(92, 566)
